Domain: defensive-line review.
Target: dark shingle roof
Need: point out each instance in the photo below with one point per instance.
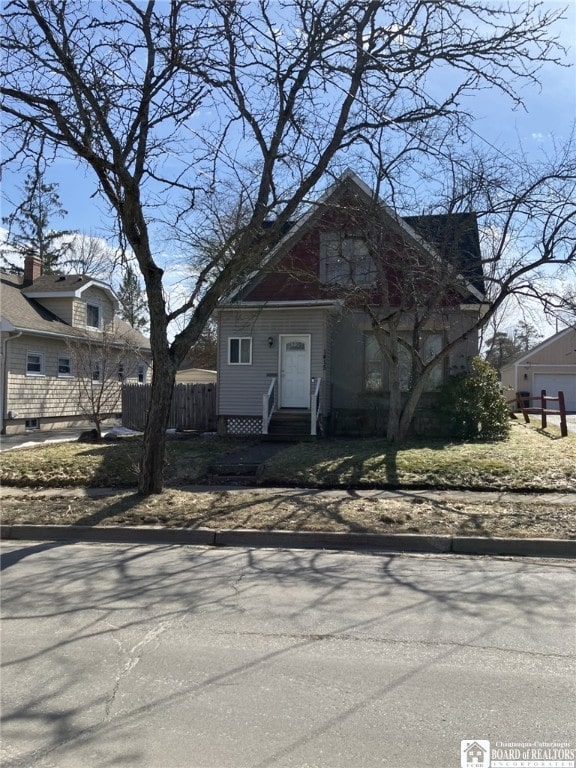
(455, 237)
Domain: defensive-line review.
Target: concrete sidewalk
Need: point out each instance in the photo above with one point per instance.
(445, 544)
(471, 497)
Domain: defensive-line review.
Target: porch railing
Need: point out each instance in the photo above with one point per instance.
(315, 408)
(269, 404)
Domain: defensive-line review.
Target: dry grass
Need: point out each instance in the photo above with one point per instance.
(299, 511)
(529, 460)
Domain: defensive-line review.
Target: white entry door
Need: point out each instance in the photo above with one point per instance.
(295, 371)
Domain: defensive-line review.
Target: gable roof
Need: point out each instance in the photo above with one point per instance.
(21, 312)
(431, 233)
(543, 344)
(67, 286)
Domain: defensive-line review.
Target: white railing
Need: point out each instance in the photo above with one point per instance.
(315, 408)
(268, 405)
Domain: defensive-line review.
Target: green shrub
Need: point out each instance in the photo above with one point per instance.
(472, 405)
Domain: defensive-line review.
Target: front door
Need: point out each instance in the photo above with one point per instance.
(295, 371)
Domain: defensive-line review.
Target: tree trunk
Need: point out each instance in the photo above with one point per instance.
(153, 459)
(410, 406)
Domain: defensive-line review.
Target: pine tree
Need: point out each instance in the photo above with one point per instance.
(29, 230)
(501, 350)
(133, 305)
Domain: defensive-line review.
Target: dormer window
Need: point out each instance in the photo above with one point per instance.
(93, 316)
(346, 260)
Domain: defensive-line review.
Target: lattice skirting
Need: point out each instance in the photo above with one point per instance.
(243, 425)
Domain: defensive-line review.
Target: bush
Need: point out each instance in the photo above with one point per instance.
(472, 405)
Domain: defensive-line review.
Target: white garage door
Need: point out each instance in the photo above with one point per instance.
(553, 383)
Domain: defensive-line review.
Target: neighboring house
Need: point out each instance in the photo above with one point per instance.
(49, 326)
(550, 366)
(186, 375)
(293, 340)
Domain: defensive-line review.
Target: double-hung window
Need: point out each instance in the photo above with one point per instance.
(35, 364)
(96, 371)
(240, 351)
(93, 316)
(64, 366)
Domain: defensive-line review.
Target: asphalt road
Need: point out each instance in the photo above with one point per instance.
(170, 656)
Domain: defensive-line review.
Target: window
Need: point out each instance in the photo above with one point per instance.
(34, 364)
(96, 370)
(120, 371)
(64, 366)
(240, 351)
(346, 261)
(374, 366)
(93, 316)
(142, 371)
(32, 424)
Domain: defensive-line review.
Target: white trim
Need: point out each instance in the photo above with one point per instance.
(252, 305)
(97, 364)
(40, 355)
(98, 306)
(281, 337)
(60, 375)
(77, 294)
(239, 339)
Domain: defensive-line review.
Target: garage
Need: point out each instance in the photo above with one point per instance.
(556, 382)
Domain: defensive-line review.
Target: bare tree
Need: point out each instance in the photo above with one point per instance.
(89, 254)
(101, 363)
(174, 105)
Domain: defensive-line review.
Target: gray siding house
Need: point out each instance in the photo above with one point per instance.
(296, 342)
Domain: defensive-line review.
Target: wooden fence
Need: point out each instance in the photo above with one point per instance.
(193, 406)
(524, 402)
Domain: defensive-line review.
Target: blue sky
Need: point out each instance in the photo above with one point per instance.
(548, 115)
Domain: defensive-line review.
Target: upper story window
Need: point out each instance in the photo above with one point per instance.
(93, 316)
(35, 364)
(346, 260)
(240, 351)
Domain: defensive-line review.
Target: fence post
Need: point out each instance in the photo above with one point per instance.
(543, 409)
(562, 409)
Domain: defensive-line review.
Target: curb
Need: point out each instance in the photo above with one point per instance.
(399, 542)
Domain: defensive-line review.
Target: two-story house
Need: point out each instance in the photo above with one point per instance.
(297, 341)
(60, 343)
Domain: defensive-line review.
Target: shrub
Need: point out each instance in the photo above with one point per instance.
(472, 405)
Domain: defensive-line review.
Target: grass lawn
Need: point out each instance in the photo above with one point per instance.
(530, 459)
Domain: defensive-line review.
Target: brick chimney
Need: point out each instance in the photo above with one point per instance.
(32, 269)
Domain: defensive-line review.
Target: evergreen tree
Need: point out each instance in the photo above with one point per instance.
(501, 350)
(29, 230)
(133, 305)
(526, 336)
(472, 405)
